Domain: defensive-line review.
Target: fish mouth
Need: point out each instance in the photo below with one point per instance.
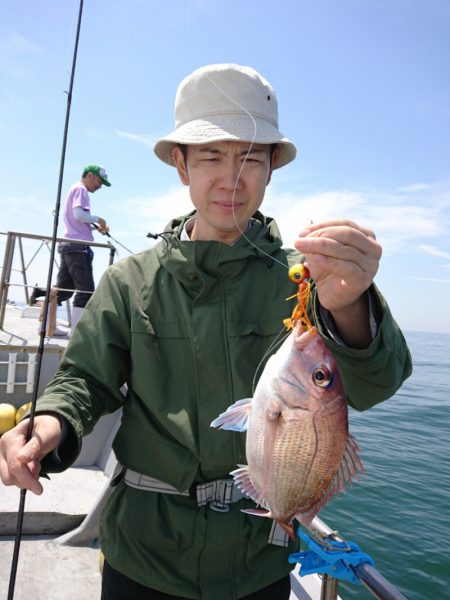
(303, 336)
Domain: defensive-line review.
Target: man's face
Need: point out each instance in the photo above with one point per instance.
(227, 182)
(93, 182)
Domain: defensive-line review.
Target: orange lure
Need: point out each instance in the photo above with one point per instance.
(299, 274)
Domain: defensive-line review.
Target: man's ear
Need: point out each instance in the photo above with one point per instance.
(273, 162)
(180, 164)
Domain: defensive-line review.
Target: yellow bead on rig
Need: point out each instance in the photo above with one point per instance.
(298, 273)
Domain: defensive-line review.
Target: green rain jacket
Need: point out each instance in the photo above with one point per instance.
(185, 325)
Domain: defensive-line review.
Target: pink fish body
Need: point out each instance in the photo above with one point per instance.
(298, 447)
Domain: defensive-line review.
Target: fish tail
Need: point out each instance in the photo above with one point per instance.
(307, 517)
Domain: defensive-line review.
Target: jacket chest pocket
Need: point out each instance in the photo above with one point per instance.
(251, 345)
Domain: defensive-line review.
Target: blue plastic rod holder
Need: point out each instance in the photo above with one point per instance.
(330, 556)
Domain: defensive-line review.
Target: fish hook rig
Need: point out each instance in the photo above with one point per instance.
(299, 274)
(330, 556)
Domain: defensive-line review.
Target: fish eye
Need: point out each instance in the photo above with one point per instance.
(322, 377)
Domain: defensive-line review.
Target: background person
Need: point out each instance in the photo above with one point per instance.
(186, 325)
(75, 270)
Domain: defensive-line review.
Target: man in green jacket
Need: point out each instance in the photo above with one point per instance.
(185, 325)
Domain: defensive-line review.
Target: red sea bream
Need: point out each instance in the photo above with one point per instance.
(298, 446)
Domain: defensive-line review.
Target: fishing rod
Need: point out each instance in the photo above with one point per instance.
(112, 238)
(40, 351)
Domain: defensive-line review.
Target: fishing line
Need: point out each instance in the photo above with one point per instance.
(255, 131)
(273, 347)
(40, 351)
(117, 242)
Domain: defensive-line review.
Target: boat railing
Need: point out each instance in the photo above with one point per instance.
(372, 579)
(14, 238)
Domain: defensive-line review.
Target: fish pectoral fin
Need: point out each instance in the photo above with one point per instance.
(242, 479)
(235, 418)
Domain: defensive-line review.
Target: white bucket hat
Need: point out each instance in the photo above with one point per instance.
(225, 102)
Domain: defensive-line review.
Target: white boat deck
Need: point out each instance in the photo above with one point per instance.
(48, 569)
(20, 327)
(19, 343)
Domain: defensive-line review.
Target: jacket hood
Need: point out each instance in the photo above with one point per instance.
(186, 259)
(264, 233)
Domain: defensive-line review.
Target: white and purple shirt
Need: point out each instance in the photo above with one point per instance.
(75, 229)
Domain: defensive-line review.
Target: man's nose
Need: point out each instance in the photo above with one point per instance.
(230, 177)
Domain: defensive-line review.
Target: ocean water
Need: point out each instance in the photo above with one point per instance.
(399, 512)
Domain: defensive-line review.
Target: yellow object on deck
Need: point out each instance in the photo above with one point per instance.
(21, 411)
(7, 417)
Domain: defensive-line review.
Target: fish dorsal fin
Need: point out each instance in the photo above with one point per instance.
(242, 479)
(235, 418)
(350, 467)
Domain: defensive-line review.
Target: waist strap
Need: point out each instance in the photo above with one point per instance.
(219, 494)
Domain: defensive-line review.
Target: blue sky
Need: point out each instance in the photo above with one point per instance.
(363, 90)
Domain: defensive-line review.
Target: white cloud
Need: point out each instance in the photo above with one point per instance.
(415, 187)
(398, 220)
(141, 138)
(434, 251)
(155, 212)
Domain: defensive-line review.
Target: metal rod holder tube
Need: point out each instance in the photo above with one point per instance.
(330, 588)
(372, 579)
(375, 582)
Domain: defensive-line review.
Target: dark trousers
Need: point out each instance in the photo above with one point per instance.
(116, 586)
(75, 272)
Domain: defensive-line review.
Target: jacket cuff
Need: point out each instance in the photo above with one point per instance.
(65, 453)
(327, 326)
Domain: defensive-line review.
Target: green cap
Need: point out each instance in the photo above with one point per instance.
(99, 171)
